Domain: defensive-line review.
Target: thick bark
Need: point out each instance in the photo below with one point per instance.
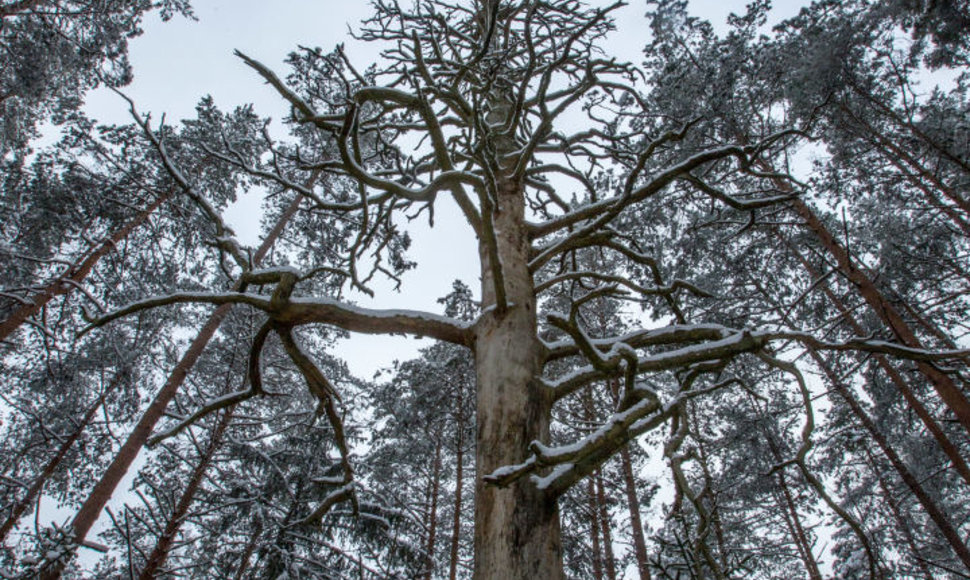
(153, 566)
(91, 509)
(19, 508)
(76, 274)
(517, 534)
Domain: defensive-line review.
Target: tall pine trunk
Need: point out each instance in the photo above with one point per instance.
(433, 508)
(636, 522)
(517, 535)
(944, 386)
(91, 509)
(156, 560)
(931, 424)
(932, 509)
(797, 530)
(21, 506)
(77, 272)
(459, 481)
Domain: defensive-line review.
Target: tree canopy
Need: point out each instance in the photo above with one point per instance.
(721, 327)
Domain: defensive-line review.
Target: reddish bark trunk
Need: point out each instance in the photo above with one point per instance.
(944, 386)
(91, 509)
(609, 560)
(250, 548)
(459, 473)
(594, 530)
(76, 274)
(898, 517)
(433, 509)
(932, 510)
(156, 560)
(21, 507)
(798, 531)
(948, 447)
(636, 523)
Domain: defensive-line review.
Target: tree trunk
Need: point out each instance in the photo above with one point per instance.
(932, 510)
(250, 548)
(459, 472)
(941, 382)
(609, 560)
(77, 272)
(433, 508)
(517, 535)
(594, 530)
(798, 531)
(948, 447)
(898, 516)
(636, 523)
(19, 508)
(153, 566)
(91, 509)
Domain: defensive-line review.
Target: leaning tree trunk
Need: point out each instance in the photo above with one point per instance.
(948, 447)
(19, 508)
(91, 509)
(517, 535)
(942, 383)
(77, 272)
(156, 560)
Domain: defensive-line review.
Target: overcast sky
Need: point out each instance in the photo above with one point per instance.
(178, 62)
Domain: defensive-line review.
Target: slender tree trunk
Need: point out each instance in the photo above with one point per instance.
(636, 523)
(19, 508)
(633, 502)
(898, 516)
(932, 510)
(77, 272)
(251, 545)
(517, 534)
(459, 472)
(433, 508)
(941, 382)
(153, 566)
(948, 447)
(91, 509)
(609, 560)
(594, 529)
(798, 531)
